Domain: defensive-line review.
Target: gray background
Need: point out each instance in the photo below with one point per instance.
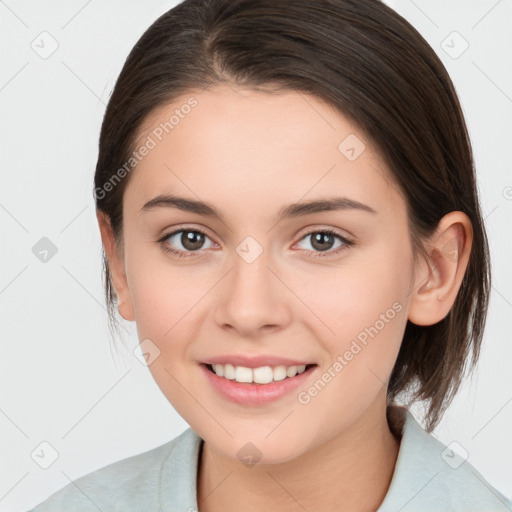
(60, 383)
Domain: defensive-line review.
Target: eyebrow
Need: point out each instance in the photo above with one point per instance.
(291, 211)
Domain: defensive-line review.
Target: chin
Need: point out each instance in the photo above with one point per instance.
(257, 451)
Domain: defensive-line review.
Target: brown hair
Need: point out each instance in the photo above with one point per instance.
(368, 62)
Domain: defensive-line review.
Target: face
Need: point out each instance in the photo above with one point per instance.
(270, 289)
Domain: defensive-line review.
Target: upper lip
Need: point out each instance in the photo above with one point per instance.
(255, 361)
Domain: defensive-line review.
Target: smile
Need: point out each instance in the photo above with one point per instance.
(259, 385)
(260, 375)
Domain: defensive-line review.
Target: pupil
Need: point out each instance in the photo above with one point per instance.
(192, 240)
(322, 241)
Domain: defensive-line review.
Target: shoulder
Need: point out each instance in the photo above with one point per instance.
(136, 482)
(430, 476)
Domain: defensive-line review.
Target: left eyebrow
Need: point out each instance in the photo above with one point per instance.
(323, 205)
(291, 211)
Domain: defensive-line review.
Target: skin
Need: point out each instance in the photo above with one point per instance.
(250, 153)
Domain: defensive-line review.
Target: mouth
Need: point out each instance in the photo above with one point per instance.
(260, 375)
(258, 386)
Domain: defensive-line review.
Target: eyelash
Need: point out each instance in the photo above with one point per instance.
(186, 254)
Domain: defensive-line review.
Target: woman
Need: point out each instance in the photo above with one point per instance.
(287, 202)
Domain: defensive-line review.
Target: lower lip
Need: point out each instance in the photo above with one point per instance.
(255, 394)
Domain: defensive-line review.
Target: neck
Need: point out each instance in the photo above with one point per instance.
(352, 471)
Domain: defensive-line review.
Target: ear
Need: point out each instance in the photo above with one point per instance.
(116, 267)
(438, 282)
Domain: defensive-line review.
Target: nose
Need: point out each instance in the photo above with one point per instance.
(253, 297)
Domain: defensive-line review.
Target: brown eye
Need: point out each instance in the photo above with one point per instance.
(324, 241)
(192, 240)
(184, 241)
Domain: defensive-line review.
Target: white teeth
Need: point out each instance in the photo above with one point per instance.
(280, 373)
(260, 375)
(243, 374)
(229, 371)
(291, 371)
(263, 375)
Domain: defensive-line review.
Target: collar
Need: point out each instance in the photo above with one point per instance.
(428, 476)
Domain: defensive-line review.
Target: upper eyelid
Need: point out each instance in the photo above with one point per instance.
(186, 228)
(315, 229)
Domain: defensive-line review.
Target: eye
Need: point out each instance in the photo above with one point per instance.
(186, 241)
(323, 241)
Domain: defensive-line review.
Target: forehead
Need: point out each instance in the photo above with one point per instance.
(238, 142)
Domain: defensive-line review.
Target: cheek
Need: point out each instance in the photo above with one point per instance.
(166, 303)
(162, 294)
(348, 298)
(367, 317)
(362, 308)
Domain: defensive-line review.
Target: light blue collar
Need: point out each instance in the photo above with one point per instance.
(428, 476)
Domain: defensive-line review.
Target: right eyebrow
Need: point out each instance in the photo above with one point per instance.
(182, 203)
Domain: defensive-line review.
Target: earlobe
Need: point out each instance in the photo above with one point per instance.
(116, 268)
(440, 279)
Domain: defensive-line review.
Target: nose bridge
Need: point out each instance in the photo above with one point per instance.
(251, 269)
(251, 279)
(253, 295)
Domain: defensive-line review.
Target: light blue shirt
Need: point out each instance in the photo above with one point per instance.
(427, 477)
